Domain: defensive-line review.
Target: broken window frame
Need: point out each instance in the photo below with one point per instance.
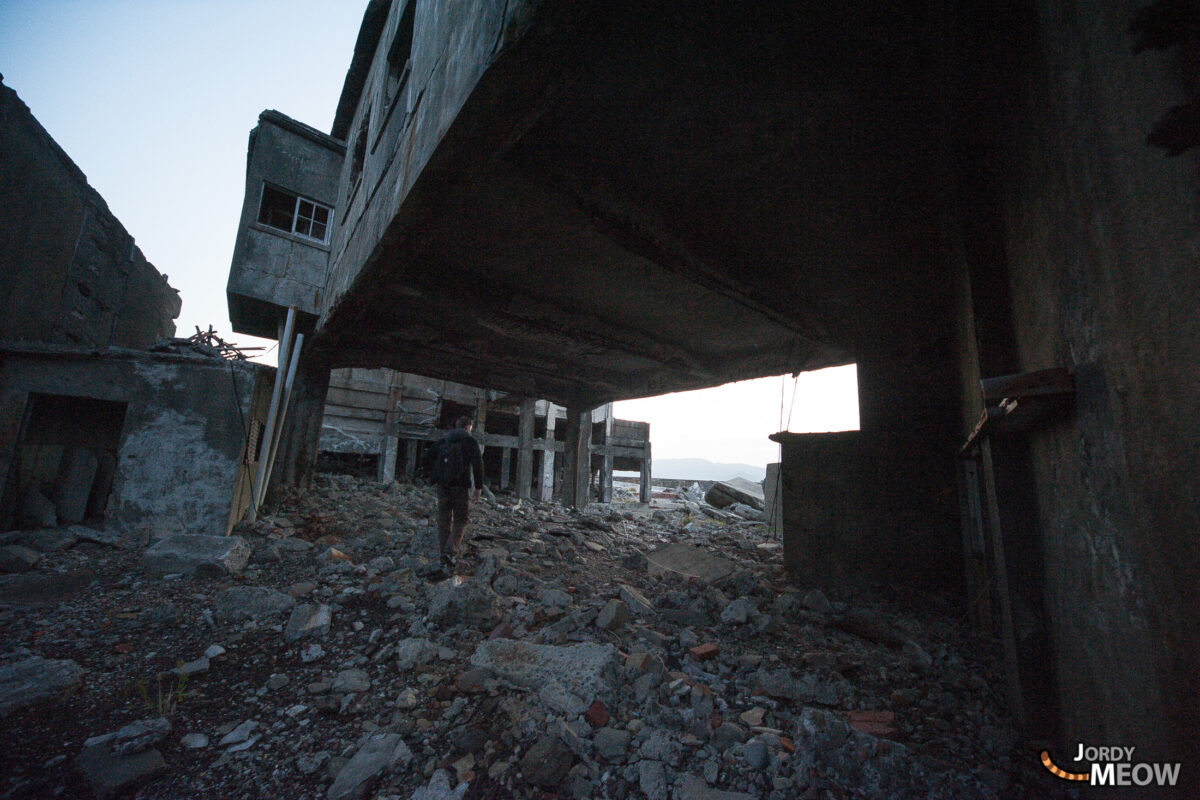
(304, 214)
(398, 69)
(358, 156)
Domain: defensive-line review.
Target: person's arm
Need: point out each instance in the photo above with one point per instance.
(477, 467)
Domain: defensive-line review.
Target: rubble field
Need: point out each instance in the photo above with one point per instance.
(624, 652)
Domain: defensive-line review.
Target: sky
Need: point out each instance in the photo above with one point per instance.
(154, 101)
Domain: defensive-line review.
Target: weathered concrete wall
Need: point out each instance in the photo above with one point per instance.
(69, 272)
(273, 269)
(1100, 232)
(181, 447)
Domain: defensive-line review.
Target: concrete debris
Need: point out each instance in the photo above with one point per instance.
(193, 554)
(723, 494)
(676, 663)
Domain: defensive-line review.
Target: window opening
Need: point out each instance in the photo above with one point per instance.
(285, 211)
(360, 150)
(400, 55)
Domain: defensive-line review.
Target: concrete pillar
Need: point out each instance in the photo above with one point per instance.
(410, 459)
(606, 466)
(578, 457)
(548, 455)
(644, 488)
(505, 466)
(525, 448)
(297, 457)
(388, 447)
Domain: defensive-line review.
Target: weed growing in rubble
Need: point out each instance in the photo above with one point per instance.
(165, 699)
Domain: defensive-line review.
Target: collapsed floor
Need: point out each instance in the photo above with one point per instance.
(566, 659)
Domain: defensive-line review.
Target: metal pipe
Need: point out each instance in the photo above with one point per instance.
(283, 408)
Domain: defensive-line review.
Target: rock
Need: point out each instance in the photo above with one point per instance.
(704, 652)
(50, 540)
(652, 779)
(816, 601)
(694, 787)
(597, 714)
(917, 655)
(193, 554)
(546, 763)
(311, 652)
(586, 670)
(351, 680)
(753, 717)
(612, 744)
(756, 754)
(869, 625)
(35, 679)
(380, 752)
(554, 598)
(739, 611)
(310, 620)
(613, 616)
(238, 735)
(411, 652)
(687, 561)
(474, 680)
(107, 538)
(438, 788)
(635, 562)
(251, 602)
(194, 741)
(110, 774)
(461, 601)
(637, 602)
(727, 735)
(192, 667)
(15, 558)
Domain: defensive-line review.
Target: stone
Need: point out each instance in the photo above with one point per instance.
(474, 680)
(597, 714)
(310, 620)
(637, 602)
(194, 741)
(238, 735)
(756, 754)
(139, 735)
(110, 774)
(547, 762)
(34, 679)
(439, 788)
(49, 540)
(15, 558)
(754, 717)
(251, 602)
(311, 652)
(198, 555)
(73, 485)
(704, 652)
(612, 744)
(685, 560)
(727, 735)
(351, 680)
(693, 787)
(613, 616)
(586, 670)
(461, 601)
(412, 652)
(652, 780)
(380, 752)
(917, 655)
(816, 601)
(739, 611)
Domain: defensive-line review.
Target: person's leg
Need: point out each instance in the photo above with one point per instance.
(460, 510)
(443, 519)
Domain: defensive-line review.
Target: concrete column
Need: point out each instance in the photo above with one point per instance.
(505, 466)
(410, 459)
(388, 447)
(577, 464)
(296, 459)
(606, 467)
(645, 487)
(548, 455)
(525, 448)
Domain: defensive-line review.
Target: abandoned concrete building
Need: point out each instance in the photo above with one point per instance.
(93, 425)
(584, 202)
(389, 415)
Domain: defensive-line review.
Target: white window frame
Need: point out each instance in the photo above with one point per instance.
(296, 217)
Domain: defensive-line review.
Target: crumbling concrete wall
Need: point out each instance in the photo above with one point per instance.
(69, 272)
(183, 440)
(1099, 233)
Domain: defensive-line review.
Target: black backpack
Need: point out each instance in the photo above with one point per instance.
(449, 463)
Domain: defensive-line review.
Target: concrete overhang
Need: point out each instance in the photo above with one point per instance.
(648, 197)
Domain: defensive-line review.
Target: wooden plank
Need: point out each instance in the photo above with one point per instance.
(1042, 383)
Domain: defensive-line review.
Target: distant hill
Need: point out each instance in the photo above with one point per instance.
(701, 469)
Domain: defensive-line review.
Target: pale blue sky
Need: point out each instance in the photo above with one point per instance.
(154, 100)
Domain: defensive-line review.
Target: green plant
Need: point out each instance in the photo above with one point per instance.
(165, 699)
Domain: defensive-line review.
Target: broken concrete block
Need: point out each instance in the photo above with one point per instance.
(586, 670)
(695, 788)
(689, 562)
(251, 602)
(197, 555)
(73, 486)
(613, 616)
(15, 558)
(382, 751)
(34, 679)
(109, 774)
(735, 490)
(637, 602)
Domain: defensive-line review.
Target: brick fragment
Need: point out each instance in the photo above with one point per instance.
(597, 714)
(704, 652)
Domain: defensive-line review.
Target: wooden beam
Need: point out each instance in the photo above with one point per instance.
(1042, 383)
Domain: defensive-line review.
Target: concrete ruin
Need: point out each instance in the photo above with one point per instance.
(392, 415)
(585, 201)
(94, 427)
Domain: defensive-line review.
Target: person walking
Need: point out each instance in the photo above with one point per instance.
(456, 460)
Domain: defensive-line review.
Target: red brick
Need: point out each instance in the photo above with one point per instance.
(704, 652)
(597, 714)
